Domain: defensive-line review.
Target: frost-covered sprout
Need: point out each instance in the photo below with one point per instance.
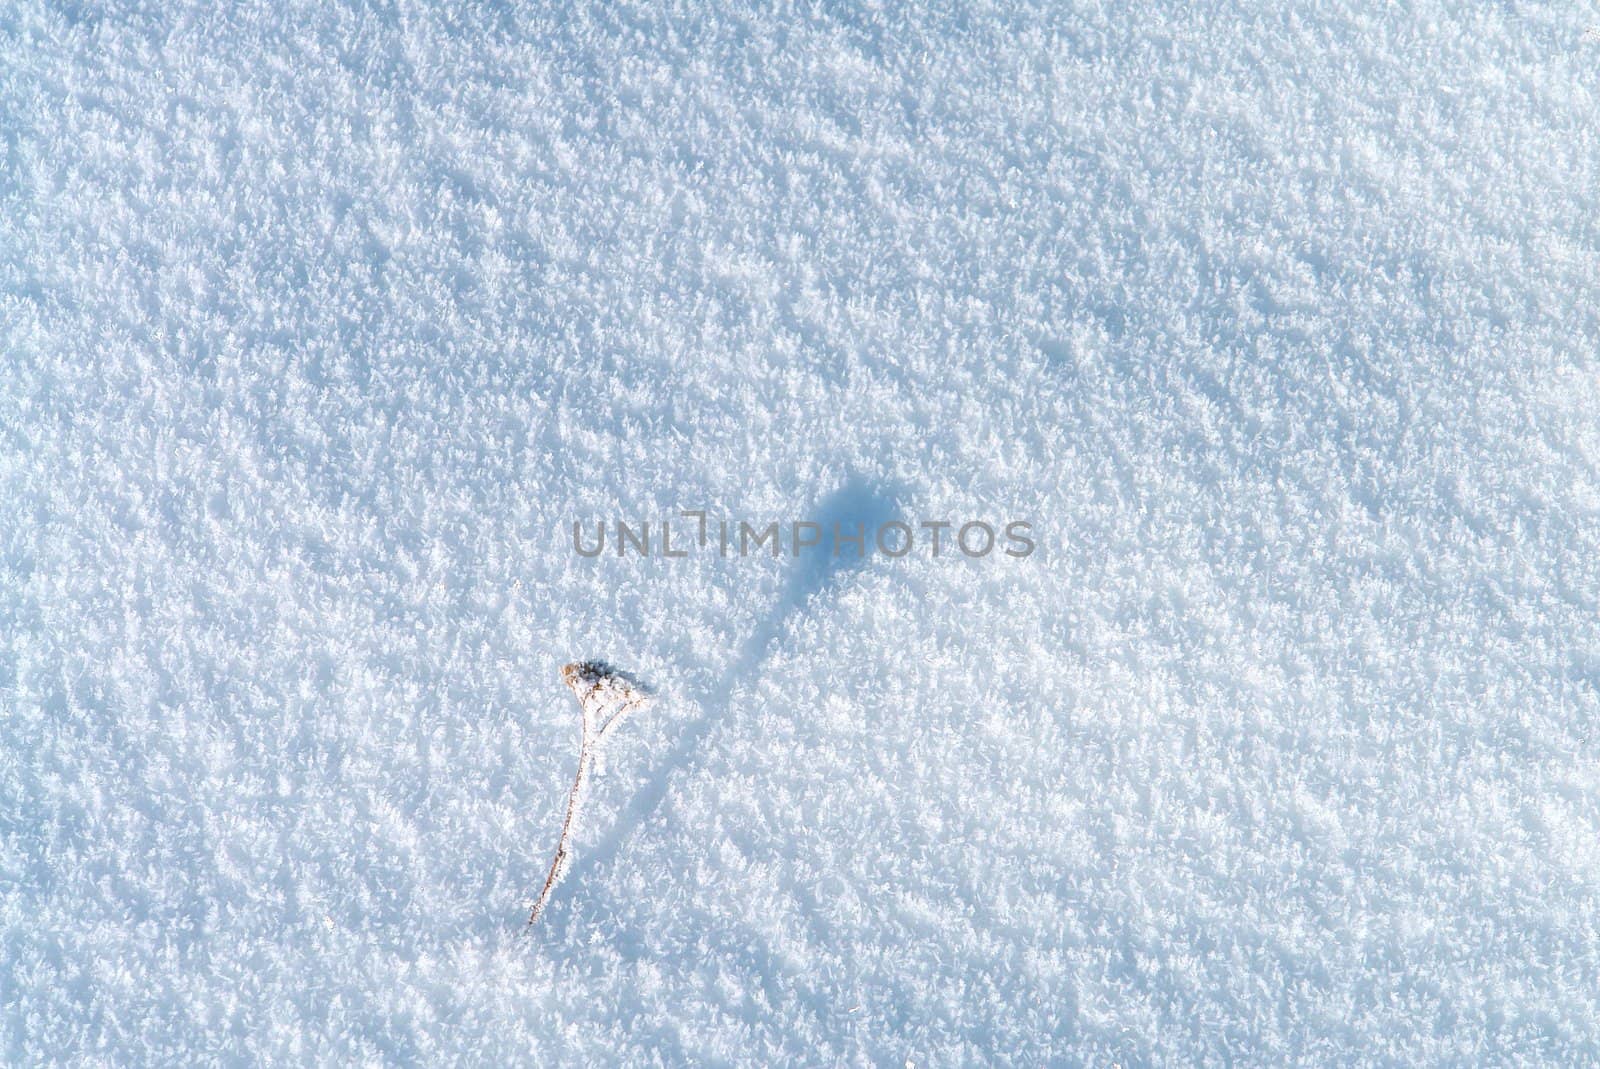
(605, 696)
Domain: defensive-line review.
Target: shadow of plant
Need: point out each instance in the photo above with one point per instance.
(858, 505)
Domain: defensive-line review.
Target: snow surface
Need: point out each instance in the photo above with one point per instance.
(321, 324)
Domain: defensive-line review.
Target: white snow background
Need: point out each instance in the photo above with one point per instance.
(322, 323)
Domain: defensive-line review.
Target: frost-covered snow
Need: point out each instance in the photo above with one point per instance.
(322, 324)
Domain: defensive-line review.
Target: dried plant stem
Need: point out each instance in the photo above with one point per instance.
(606, 696)
(563, 858)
